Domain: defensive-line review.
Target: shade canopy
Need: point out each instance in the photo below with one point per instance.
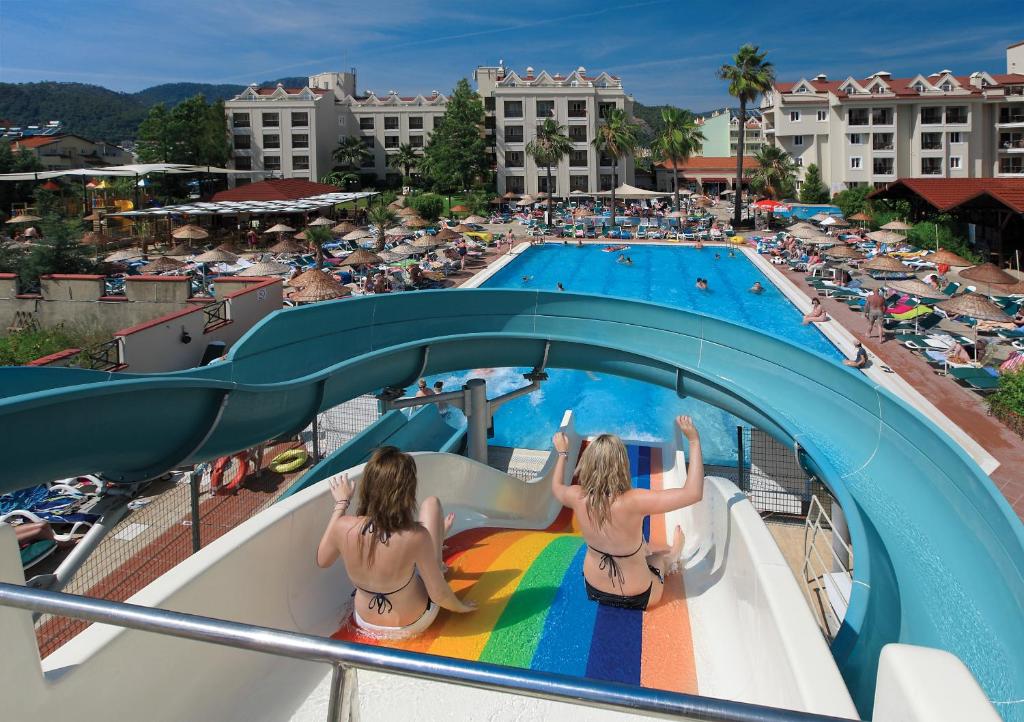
(446, 234)
(885, 264)
(217, 256)
(626, 191)
(426, 241)
(463, 228)
(475, 219)
(180, 250)
(897, 226)
(835, 222)
(887, 237)
(320, 221)
(819, 217)
(459, 209)
(344, 227)
(803, 230)
(397, 231)
(861, 216)
(510, 195)
(24, 218)
(162, 265)
(988, 273)
(362, 257)
(300, 236)
(280, 228)
(915, 287)
(974, 305)
(320, 286)
(357, 235)
(118, 256)
(526, 201)
(228, 247)
(286, 246)
(189, 233)
(266, 268)
(948, 258)
(821, 240)
(407, 249)
(416, 222)
(848, 252)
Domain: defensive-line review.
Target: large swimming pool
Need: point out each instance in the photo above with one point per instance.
(602, 403)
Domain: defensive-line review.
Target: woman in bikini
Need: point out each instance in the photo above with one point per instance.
(392, 556)
(620, 570)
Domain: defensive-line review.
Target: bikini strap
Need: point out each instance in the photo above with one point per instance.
(380, 601)
(610, 564)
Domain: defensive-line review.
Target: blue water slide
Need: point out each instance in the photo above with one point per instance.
(939, 554)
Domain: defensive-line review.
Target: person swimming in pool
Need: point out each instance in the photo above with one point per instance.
(559, 286)
(389, 545)
(527, 279)
(702, 284)
(757, 288)
(620, 568)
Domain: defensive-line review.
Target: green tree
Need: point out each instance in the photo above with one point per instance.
(429, 206)
(352, 153)
(616, 138)
(679, 140)
(317, 236)
(406, 158)
(193, 132)
(813, 189)
(20, 191)
(382, 218)
(548, 149)
(853, 200)
(776, 172)
(341, 178)
(457, 152)
(479, 203)
(59, 251)
(749, 76)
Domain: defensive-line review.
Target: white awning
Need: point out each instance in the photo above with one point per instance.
(134, 169)
(298, 205)
(627, 191)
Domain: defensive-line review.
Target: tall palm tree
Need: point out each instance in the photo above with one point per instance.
(548, 149)
(341, 178)
(679, 140)
(749, 76)
(383, 218)
(776, 171)
(317, 236)
(351, 153)
(616, 137)
(405, 158)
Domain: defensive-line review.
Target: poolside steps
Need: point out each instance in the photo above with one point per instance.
(520, 463)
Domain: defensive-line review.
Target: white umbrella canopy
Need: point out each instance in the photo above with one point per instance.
(897, 226)
(626, 191)
(321, 221)
(819, 217)
(280, 228)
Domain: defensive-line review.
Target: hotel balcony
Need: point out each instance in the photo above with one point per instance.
(1011, 118)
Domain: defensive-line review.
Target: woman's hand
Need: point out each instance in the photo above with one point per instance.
(685, 425)
(561, 442)
(342, 488)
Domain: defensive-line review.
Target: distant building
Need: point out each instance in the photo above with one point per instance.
(721, 129)
(67, 151)
(703, 174)
(10, 131)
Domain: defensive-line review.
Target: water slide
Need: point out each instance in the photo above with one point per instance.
(939, 552)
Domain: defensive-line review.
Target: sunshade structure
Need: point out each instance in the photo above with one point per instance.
(320, 286)
(628, 192)
(897, 226)
(526, 200)
(300, 236)
(845, 252)
(408, 212)
(475, 219)
(92, 238)
(510, 195)
(819, 217)
(886, 237)
(407, 249)
(126, 171)
(286, 247)
(988, 273)
(228, 247)
(189, 233)
(344, 227)
(23, 218)
(834, 222)
(949, 258)
(459, 209)
(416, 223)
(362, 257)
(266, 268)
(977, 307)
(320, 221)
(279, 228)
(357, 235)
(821, 240)
(397, 232)
(462, 228)
(915, 287)
(447, 234)
(250, 207)
(861, 217)
(578, 194)
(180, 250)
(118, 256)
(216, 256)
(803, 230)
(426, 242)
(392, 257)
(884, 264)
(162, 265)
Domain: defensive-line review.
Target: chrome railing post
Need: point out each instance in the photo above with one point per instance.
(343, 693)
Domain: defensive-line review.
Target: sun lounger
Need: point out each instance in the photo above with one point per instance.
(978, 379)
(35, 552)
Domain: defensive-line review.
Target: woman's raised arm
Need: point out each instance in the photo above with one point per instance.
(658, 502)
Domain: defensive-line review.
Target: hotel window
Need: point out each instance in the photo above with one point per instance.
(606, 161)
(300, 162)
(931, 166)
(578, 183)
(242, 142)
(578, 133)
(883, 166)
(881, 141)
(514, 158)
(513, 109)
(603, 108)
(578, 159)
(366, 123)
(931, 116)
(954, 162)
(542, 184)
(272, 162)
(577, 109)
(415, 122)
(856, 139)
(956, 114)
(545, 108)
(822, 115)
(489, 103)
(1011, 165)
(416, 141)
(858, 116)
(514, 183)
(931, 141)
(855, 162)
(794, 116)
(956, 137)
(513, 134)
(300, 140)
(391, 141)
(390, 122)
(239, 120)
(369, 142)
(271, 120)
(300, 120)
(606, 181)
(341, 121)
(881, 116)
(243, 162)
(946, 87)
(271, 140)
(798, 140)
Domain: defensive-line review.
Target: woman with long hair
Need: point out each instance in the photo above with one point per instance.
(620, 570)
(392, 553)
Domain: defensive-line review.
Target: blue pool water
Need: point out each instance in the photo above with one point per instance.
(805, 211)
(632, 409)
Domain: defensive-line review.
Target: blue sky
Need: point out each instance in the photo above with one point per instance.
(666, 51)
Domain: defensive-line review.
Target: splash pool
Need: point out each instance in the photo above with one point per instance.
(635, 410)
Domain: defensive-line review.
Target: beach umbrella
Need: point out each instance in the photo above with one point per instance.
(886, 237)
(497, 200)
(189, 233)
(915, 314)
(391, 257)
(847, 252)
(406, 249)
(915, 287)
(510, 195)
(885, 264)
(286, 247)
(92, 238)
(426, 242)
(975, 306)
(821, 240)
(320, 286)
(24, 218)
(300, 236)
(227, 247)
(988, 273)
(803, 230)
(320, 221)
(459, 209)
(266, 268)
(408, 212)
(179, 251)
(897, 226)
(118, 256)
(526, 200)
(861, 216)
(357, 235)
(50, 186)
(279, 228)
(416, 223)
(362, 257)
(462, 228)
(475, 219)
(162, 265)
(344, 227)
(835, 222)
(948, 258)
(397, 231)
(217, 256)
(819, 217)
(446, 234)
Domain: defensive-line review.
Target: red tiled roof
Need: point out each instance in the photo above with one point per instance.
(37, 141)
(281, 189)
(948, 193)
(290, 91)
(704, 164)
(900, 87)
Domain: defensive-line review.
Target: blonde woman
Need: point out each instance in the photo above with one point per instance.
(392, 553)
(620, 570)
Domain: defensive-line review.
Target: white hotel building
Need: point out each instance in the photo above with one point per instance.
(293, 132)
(874, 130)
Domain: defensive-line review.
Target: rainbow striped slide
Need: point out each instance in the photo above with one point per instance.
(534, 612)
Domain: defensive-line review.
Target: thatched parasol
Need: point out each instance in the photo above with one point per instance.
(497, 200)
(392, 257)
(357, 235)
(189, 233)
(320, 286)
(886, 237)
(286, 246)
(162, 265)
(819, 217)
(510, 195)
(915, 287)
(988, 273)
(821, 240)
(408, 212)
(416, 223)
(92, 238)
(847, 252)
(397, 231)
(362, 257)
(447, 234)
(300, 236)
(320, 221)
(803, 230)
(462, 228)
(977, 307)
(217, 256)
(459, 209)
(885, 264)
(426, 242)
(227, 247)
(118, 256)
(861, 216)
(279, 228)
(25, 218)
(407, 249)
(179, 251)
(897, 226)
(266, 268)
(344, 227)
(526, 200)
(948, 258)
(475, 219)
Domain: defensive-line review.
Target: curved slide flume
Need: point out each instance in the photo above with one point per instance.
(939, 552)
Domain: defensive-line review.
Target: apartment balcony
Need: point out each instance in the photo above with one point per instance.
(931, 146)
(883, 146)
(1011, 120)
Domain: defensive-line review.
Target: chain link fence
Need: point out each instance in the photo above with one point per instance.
(769, 473)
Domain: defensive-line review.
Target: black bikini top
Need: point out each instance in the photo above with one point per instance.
(379, 600)
(609, 563)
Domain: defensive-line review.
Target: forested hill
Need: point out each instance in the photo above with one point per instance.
(173, 93)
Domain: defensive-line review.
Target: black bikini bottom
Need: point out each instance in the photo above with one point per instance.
(623, 601)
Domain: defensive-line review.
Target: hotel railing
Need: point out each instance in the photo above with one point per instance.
(346, 658)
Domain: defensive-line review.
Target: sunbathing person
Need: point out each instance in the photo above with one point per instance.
(388, 546)
(816, 314)
(620, 569)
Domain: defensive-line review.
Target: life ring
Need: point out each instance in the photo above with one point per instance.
(289, 461)
(217, 474)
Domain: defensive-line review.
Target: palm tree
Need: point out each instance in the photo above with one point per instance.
(351, 153)
(341, 178)
(383, 218)
(317, 236)
(749, 76)
(548, 149)
(776, 171)
(679, 140)
(405, 158)
(616, 137)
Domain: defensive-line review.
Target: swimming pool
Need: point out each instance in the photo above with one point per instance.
(632, 409)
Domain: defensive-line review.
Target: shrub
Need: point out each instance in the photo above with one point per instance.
(429, 206)
(1008, 402)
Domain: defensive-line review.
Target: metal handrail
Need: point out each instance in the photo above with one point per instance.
(346, 657)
